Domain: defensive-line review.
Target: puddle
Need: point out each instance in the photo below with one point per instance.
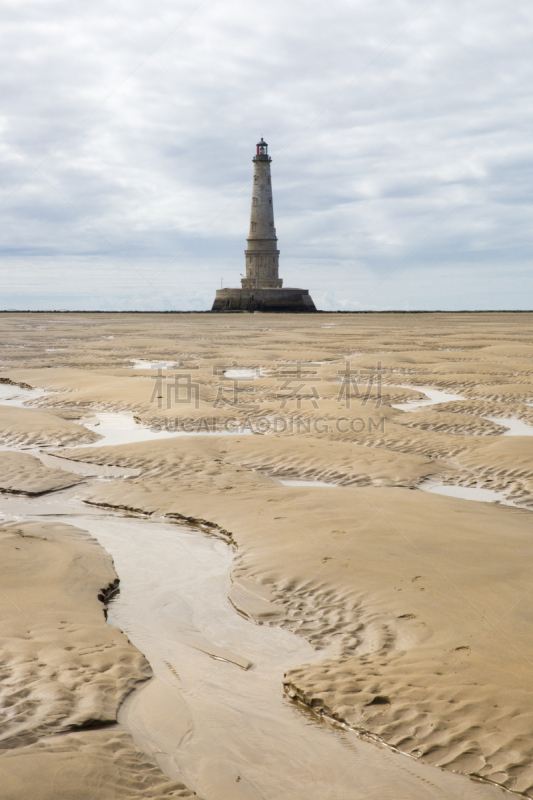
(467, 493)
(243, 373)
(16, 396)
(115, 427)
(433, 396)
(119, 428)
(515, 426)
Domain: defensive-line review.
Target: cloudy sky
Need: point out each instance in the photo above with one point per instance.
(401, 133)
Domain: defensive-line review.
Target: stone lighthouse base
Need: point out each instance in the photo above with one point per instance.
(289, 300)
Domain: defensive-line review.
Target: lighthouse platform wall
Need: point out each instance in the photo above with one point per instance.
(281, 300)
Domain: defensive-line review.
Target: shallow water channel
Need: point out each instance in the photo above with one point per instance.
(515, 427)
(215, 714)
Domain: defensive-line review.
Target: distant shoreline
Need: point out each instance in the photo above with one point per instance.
(269, 313)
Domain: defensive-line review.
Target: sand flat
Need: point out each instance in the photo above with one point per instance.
(336, 560)
(24, 427)
(21, 473)
(423, 598)
(64, 669)
(73, 668)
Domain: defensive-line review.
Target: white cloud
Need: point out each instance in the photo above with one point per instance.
(401, 135)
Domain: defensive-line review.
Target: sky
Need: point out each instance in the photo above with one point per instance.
(401, 134)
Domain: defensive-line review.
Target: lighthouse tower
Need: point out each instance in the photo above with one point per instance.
(262, 255)
(262, 288)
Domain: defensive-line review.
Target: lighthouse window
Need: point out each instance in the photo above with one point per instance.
(254, 201)
(254, 225)
(270, 200)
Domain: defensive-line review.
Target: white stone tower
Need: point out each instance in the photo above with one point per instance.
(262, 255)
(262, 289)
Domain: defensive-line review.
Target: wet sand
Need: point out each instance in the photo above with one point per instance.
(214, 716)
(411, 609)
(65, 672)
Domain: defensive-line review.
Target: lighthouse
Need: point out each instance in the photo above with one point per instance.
(262, 255)
(262, 288)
